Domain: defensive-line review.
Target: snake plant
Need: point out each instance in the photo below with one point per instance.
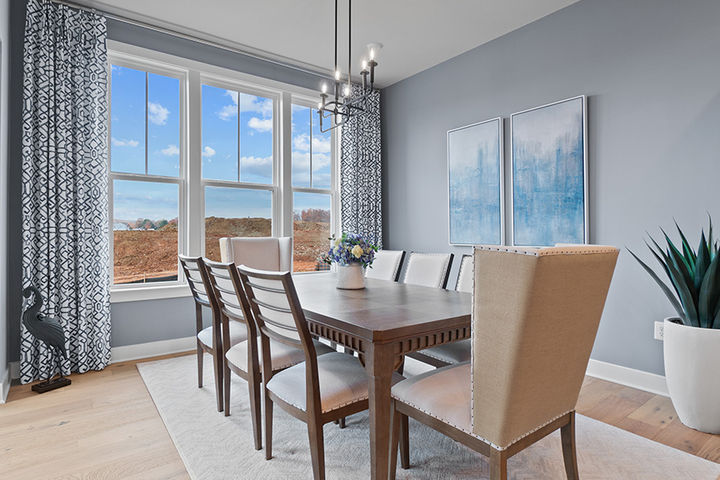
(694, 276)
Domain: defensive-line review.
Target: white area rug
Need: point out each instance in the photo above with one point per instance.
(217, 447)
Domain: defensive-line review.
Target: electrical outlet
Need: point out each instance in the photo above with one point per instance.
(659, 331)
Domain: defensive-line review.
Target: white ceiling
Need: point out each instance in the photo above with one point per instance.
(416, 34)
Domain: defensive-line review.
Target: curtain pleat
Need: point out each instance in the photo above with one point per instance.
(65, 185)
(361, 172)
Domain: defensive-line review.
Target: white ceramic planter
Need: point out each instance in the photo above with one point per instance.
(692, 356)
(350, 277)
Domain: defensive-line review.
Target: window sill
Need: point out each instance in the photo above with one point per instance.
(137, 294)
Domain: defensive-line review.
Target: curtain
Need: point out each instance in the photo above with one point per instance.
(361, 172)
(65, 184)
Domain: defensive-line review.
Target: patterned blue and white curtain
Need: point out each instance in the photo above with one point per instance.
(65, 184)
(361, 172)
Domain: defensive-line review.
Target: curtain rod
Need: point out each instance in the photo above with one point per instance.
(186, 36)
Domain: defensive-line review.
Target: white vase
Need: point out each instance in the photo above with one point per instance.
(350, 277)
(692, 356)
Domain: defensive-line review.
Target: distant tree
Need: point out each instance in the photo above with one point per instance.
(315, 215)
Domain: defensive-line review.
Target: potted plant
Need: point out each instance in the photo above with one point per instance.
(352, 254)
(692, 339)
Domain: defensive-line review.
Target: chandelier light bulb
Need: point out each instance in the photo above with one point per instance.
(346, 91)
(372, 54)
(323, 87)
(337, 75)
(364, 64)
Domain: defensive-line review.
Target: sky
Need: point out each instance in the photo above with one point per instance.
(237, 145)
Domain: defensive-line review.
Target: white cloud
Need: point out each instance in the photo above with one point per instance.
(319, 145)
(261, 125)
(171, 150)
(248, 103)
(227, 112)
(208, 151)
(157, 114)
(119, 142)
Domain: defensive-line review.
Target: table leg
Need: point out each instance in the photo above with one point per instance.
(379, 364)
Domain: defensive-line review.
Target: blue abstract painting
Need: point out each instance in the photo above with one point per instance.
(548, 174)
(475, 176)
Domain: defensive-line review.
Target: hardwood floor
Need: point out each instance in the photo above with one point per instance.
(106, 426)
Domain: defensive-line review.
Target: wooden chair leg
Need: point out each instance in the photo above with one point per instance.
(227, 377)
(404, 442)
(394, 441)
(567, 434)
(218, 367)
(498, 465)
(317, 448)
(254, 390)
(268, 426)
(341, 422)
(200, 354)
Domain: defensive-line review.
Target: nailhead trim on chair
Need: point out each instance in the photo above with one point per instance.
(546, 251)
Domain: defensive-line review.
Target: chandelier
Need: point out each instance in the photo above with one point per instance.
(343, 103)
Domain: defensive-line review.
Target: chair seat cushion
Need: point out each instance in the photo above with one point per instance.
(342, 379)
(443, 394)
(452, 353)
(238, 333)
(281, 355)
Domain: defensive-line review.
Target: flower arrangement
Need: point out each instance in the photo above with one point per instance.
(350, 248)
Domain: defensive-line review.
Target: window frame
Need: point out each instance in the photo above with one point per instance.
(118, 59)
(191, 215)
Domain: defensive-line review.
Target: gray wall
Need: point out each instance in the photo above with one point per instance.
(650, 70)
(4, 82)
(134, 322)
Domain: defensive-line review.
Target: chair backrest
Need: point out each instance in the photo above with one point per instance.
(428, 269)
(193, 267)
(231, 302)
(277, 312)
(535, 317)
(465, 275)
(263, 253)
(387, 265)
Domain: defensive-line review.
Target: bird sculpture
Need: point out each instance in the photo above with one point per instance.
(49, 331)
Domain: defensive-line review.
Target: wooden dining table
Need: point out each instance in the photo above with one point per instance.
(382, 322)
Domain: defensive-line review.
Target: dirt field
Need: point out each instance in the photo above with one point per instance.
(152, 254)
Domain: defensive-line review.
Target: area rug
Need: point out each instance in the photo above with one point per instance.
(213, 446)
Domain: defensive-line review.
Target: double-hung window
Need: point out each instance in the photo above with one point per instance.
(313, 185)
(147, 156)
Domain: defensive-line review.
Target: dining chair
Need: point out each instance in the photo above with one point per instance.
(242, 358)
(454, 352)
(319, 390)
(265, 253)
(428, 269)
(387, 265)
(209, 339)
(534, 320)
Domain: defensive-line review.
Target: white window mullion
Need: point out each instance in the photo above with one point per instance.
(285, 178)
(195, 219)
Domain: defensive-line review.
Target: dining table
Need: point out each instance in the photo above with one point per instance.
(382, 323)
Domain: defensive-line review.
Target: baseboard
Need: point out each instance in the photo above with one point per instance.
(5, 386)
(152, 349)
(630, 377)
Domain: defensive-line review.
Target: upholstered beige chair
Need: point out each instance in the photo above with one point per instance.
(454, 352)
(264, 253)
(535, 316)
(387, 265)
(208, 339)
(242, 358)
(320, 390)
(428, 269)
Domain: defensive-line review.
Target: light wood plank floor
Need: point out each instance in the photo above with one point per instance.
(106, 426)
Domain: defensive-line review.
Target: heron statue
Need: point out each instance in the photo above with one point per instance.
(49, 331)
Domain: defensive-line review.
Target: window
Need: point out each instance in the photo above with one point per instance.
(145, 174)
(237, 165)
(312, 194)
(195, 155)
